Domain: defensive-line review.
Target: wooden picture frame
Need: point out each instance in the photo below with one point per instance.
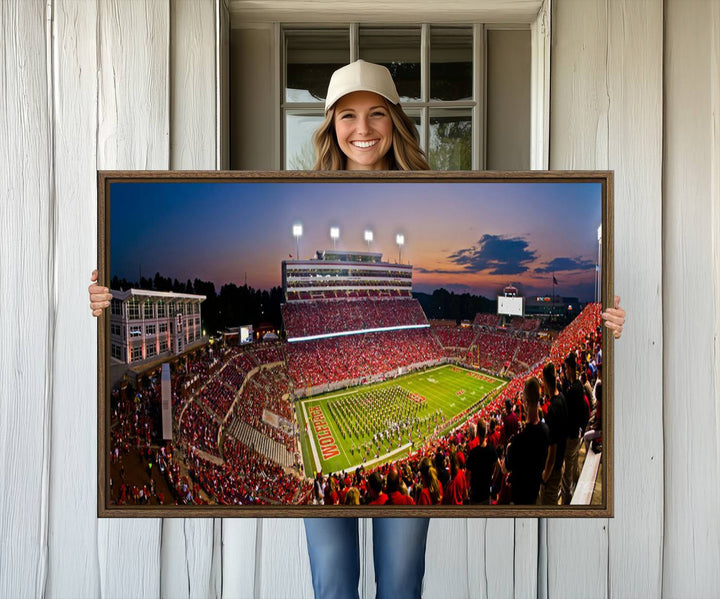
(524, 241)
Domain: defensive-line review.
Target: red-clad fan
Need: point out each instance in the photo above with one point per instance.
(457, 491)
(375, 484)
(431, 492)
(395, 496)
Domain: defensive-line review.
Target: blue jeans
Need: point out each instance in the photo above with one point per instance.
(398, 552)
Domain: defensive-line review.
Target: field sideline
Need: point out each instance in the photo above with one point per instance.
(449, 389)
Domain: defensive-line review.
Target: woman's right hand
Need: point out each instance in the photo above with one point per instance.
(99, 296)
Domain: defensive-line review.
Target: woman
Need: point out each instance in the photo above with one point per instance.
(431, 492)
(364, 129)
(457, 492)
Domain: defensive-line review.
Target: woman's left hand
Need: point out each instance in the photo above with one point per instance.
(615, 318)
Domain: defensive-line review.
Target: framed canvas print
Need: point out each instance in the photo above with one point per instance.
(355, 344)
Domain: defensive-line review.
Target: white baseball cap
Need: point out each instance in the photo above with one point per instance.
(361, 76)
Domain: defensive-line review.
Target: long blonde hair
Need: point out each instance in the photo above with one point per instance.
(430, 479)
(405, 154)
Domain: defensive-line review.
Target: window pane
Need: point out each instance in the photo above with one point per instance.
(450, 140)
(299, 150)
(398, 50)
(133, 309)
(508, 100)
(311, 58)
(414, 115)
(451, 55)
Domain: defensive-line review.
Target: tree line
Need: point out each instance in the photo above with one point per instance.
(444, 304)
(233, 306)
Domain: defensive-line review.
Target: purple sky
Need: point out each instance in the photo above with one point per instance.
(467, 237)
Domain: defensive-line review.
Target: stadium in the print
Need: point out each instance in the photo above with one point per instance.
(358, 378)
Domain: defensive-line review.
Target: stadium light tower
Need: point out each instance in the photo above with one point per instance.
(368, 237)
(297, 233)
(334, 233)
(400, 240)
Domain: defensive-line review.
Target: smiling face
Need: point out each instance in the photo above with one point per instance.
(364, 130)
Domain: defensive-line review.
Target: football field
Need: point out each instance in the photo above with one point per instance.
(374, 423)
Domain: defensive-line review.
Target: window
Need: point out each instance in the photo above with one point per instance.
(162, 327)
(150, 330)
(116, 351)
(468, 87)
(135, 330)
(163, 344)
(116, 307)
(434, 67)
(114, 330)
(148, 311)
(151, 350)
(136, 353)
(133, 309)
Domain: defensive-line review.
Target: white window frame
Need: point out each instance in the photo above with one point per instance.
(270, 14)
(476, 106)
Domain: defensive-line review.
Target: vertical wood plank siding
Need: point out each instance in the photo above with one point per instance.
(692, 397)
(282, 566)
(27, 315)
(133, 131)
(607, 113)
(72, 552)
(635, 124)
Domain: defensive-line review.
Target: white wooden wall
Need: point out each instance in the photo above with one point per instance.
(86, 85)
(691, 297)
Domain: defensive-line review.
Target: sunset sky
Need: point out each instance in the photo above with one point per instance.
(466, 237)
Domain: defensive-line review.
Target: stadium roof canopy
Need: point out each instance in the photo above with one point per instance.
(345, 256)
(123, 295)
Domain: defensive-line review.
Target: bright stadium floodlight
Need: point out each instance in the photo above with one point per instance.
(335, 234)
(400, 240)
(297, 233)
(368, 237)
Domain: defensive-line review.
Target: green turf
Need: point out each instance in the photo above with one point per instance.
(439, 386)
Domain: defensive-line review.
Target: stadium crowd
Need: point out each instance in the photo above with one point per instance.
(303, 319)
(199, 428)
(207, 391)
(461, 337)
(531, 351)
(483, 319)
(204, 385)
(498, 455)
(493, 351)
(267, 390)
(247, 477)
(519, 323)
(337, 359)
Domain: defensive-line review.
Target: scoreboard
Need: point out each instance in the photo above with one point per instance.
(511, 306)
(246, 334)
